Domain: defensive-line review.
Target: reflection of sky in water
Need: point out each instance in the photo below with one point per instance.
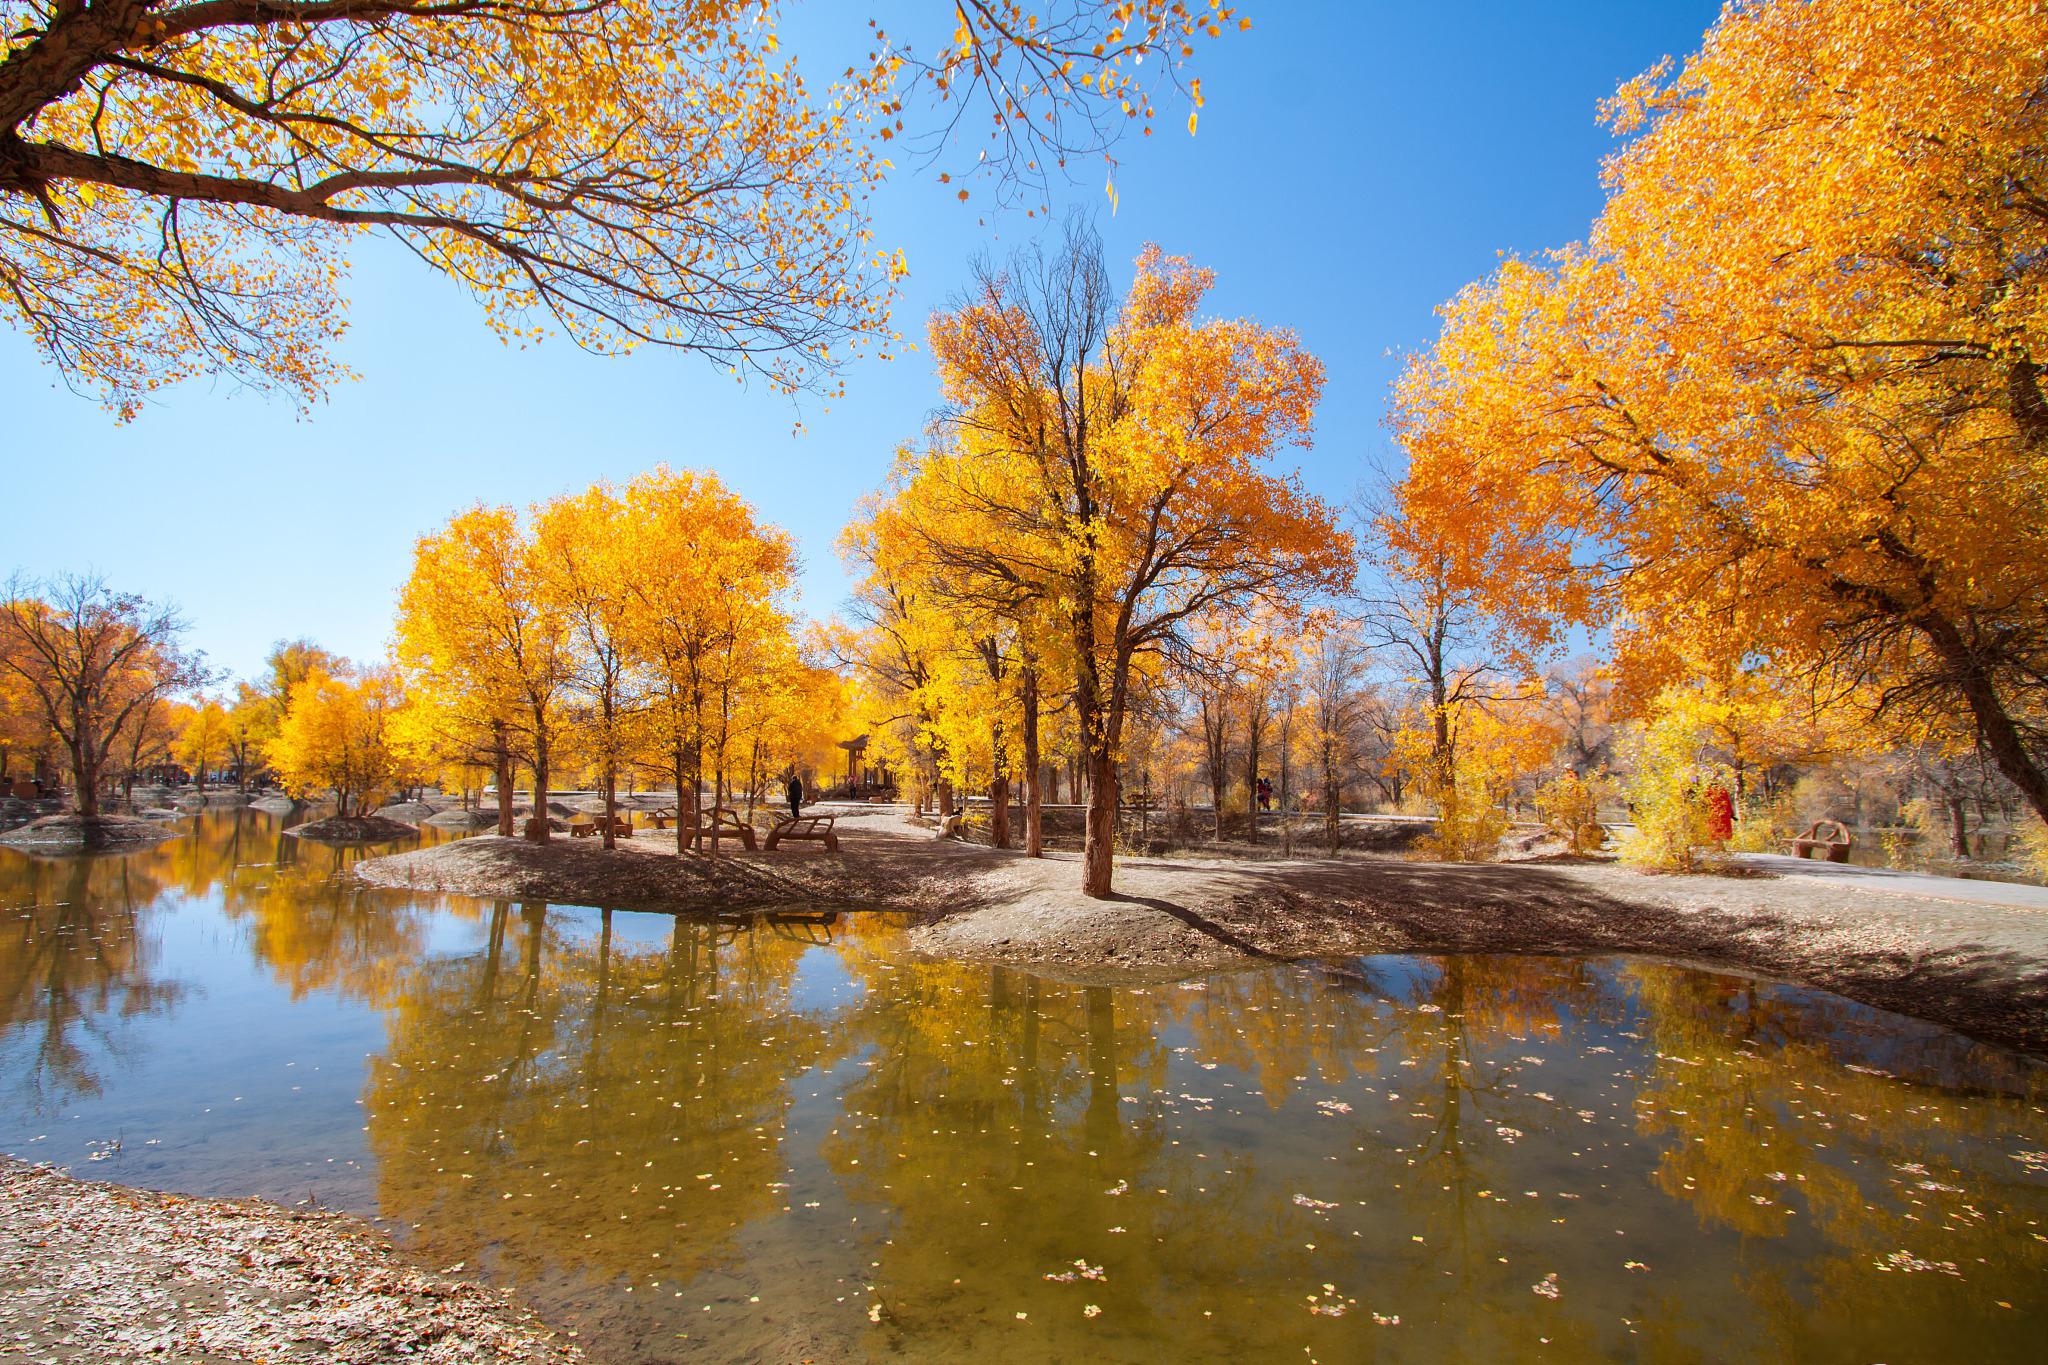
(736, 1140)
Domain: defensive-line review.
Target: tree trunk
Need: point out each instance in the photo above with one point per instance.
(537, 829)
(1958, 829)
(1254, 742)
(999, 811)
(685, 819)
(611, 804)
(1286, 780)
(717, 804)
(1034, 845)
(1217, 778)
(945, 794)
(1332, 797)
(611, 769)
(1995, 725)
(1098, 849)
(501, 754)
(85, 776)
(753, 777)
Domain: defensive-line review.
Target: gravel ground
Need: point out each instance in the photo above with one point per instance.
(111, 1275)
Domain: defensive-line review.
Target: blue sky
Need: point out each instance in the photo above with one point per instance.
(1356, 165)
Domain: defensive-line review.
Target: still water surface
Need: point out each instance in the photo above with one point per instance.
(781, 1141)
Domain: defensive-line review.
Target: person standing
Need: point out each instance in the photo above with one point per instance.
(1720, 814)
(795, 792)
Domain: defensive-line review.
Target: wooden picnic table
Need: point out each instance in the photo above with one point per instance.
(726, 823)
(814, 827)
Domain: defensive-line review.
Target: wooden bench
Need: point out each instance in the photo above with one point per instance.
(726, 822)
(662, 818)
(583, 825)
(1816, 843)
(815, 827)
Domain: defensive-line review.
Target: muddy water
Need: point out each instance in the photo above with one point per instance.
(783, 1140)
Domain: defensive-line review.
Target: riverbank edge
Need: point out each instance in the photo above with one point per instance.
(1980, 971)
(106, 1273)
(69, 832)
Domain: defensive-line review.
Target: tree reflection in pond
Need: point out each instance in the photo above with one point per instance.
(77, 968)
(772, 1139)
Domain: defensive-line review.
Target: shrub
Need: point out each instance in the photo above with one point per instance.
(1571, 805)
(1674, 831)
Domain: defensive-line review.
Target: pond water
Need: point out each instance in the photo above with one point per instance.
(773, 1141)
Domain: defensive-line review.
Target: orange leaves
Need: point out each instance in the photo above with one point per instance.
(1782, 404)
(335, 736)
(637, 172)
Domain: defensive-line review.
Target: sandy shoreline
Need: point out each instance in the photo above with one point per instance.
(1980, 969)
(108, 1274)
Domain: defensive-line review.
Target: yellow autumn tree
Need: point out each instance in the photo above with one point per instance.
(707, 614)
(987, 599)
(488, 648)
(183, 185)
(335, 737)
(1134, 435)
(206, 739)
(1787, 396)
(94, 663)
(582, 554)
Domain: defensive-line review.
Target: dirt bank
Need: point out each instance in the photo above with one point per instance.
(1982, 969)
(353, 829)
(70, 832)
(645, 872)
(112, 1275)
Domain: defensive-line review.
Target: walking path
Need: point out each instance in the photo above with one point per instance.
(1890, 882)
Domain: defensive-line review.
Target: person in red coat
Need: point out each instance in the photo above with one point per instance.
(1720, 813)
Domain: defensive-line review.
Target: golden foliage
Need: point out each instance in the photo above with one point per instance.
(335, 738)
(1785, 402)
(1102, 481)
(180, 190)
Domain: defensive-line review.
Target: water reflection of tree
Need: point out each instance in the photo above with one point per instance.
(76, 964)
(556, 1104)
(1774, 1135)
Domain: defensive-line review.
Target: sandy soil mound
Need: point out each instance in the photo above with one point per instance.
(112, 1275)
(353, 829)
(71, 831)
(645, 872)
(193, 801)
(462, 819)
